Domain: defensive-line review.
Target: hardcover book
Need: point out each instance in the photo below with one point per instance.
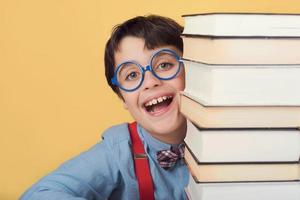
(244, 191)
(240, 85)
(221, 50)
(243, 145)
(240, 172)
(238, 116)
(242, 24)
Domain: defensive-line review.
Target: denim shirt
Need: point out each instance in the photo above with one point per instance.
(106, 171)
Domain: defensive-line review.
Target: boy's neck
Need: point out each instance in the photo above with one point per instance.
(176, 137)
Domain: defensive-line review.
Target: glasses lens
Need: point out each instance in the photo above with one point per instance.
(165, 64)
(129, 76)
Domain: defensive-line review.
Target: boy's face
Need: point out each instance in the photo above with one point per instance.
(164, 121)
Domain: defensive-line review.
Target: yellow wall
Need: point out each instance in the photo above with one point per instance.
(54, 100)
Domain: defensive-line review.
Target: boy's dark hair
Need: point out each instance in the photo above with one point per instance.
(155, 30)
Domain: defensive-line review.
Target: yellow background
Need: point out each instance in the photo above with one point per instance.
(54, 100)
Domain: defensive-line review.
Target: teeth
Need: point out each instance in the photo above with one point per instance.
(154, 101)
(158, 100)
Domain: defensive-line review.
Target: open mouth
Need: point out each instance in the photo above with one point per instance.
(158, 104)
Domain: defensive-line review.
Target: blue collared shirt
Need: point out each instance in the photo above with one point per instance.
(106, 171)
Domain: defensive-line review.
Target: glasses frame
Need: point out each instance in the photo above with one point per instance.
(148, 67)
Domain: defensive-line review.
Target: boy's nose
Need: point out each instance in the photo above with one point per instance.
(150, 80)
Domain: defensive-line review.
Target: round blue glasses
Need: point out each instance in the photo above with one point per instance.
(164, 64)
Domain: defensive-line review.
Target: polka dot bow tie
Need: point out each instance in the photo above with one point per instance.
(168, 158)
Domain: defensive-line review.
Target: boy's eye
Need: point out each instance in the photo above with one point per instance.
(164, 66)
(132, 76)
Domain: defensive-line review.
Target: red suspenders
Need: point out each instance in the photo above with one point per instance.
(141, 165)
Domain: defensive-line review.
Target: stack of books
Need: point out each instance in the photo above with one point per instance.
(242, 102)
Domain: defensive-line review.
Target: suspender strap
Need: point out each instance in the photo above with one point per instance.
(141, 165)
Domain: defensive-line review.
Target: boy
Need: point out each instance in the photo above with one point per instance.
(142, 160)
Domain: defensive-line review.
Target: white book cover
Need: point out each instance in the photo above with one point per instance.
(244, 191)
(242, 85)
(242, 24)
(243, 145)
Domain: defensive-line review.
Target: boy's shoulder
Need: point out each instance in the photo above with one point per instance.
(116, 134)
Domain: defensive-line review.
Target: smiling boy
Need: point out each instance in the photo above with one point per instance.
(143, 66)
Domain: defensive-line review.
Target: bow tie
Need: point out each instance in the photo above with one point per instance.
(167, 158)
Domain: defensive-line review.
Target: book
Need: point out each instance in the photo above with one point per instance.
(242, 24)
(220, 50)
(238, 116)
(243, 145)
(243, 84)
(240, 172)
(243, 191)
